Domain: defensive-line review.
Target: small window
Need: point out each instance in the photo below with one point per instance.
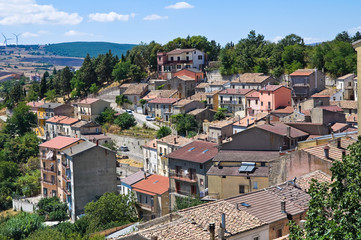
(263, 164)
(255, 238)
(223, 176)
(268, 93)
(256, 102)
(241, 188)
(201, 182)
(261, 103)
(279, 233)
(178, 58)
(200, 57)
(200, 166)
(179, 66)
(255, 185)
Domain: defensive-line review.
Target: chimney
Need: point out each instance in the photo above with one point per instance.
(326, 150)
(343, 153)
(283, 206)
(338, 142)
(212, 227)
(288, 131)
(145, 175)
(175, 140)
(97, 141)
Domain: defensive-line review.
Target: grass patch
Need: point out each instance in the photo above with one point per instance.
(136, 131)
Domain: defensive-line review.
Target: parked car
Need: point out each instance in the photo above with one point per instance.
(150, 118)
(124, 149)
(129, 111)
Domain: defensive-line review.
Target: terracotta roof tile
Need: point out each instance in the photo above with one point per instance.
(174, 140)
(348, 104)
(196, 151)
(136, 89)
(234, 91)
(179, 51)
(183, 102)
(337, 127)
(328, 92)
(59, 142)
(164, 100)
(89, 100)
(346, 76)
(332, 108)
(303, 72)
(160, 94)
(154, 184)
(288, 109)
(62, 120)
(281, 129)
(202, 85)
(271, 88)
(221, 124)
(251, 78)
(304, 181)
(151, 144)
(185, 78)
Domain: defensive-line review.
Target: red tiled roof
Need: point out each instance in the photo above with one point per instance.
(59, 142)
(328, 92)
(348, 104)
(288, 109)
(134, 178)
(254, 94)
(154, 184)
(179, 51)
(164, 100)
(271, 88)
(351, 118)
(302, 72)
(152, 144)
(35, 104)
(339, 126)
(196, 151)
(332, 108)
(281, 129)
(236, 91)
(89, 100)
(62, 120)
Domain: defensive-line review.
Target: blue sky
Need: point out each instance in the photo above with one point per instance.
(135, 21)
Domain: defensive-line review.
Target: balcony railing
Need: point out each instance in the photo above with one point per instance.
(192, 178)
(232, 102)
(52, 170)
(182, 192)
(66, 191)
(146, 207)
(179, 61)
(47, 181)
(66, 178)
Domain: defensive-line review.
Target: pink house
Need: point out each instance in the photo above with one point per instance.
(272, 97)
(253, 103)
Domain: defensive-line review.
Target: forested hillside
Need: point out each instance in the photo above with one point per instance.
(81, 49)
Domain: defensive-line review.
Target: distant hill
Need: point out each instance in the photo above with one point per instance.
(80, 49)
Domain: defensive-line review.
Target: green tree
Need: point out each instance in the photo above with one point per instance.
(29, 184)
(136, 73)
(107, 116)
(125, 120)
(93, 88)
(220, 115)
(121, 99)
(121, 70)
(334, 209)
(34, 92)
(343, 37)
(20, 226)
(19, 149)
(184, 123)
(21, 122)
(187, 202)
(163, 131)
(43, 85)
(291, 39)
(87, 74)
(65, 78)
(110, 209)
(52, 209)
(293, 57)
(51, 95)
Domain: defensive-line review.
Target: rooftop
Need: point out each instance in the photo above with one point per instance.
(251, 78)
(348, 104)
(249, 120)
(35, 104)
(271, 88)
(83, 123)
(332, 108)
(254, 94)
(202, 85)
(183, 102)
(152, 185)
(346, 76)
(59, 142)
(62, 120)
(328, 92)
(134, 178)
(285, 110)
(185, 78)
(164, 100)
(218, 83)
(198, 111)
(89, 100)
(196, 151)
(281, 129)
(79, 148)
(234, 171)
(233, 91)
(339, 126)
(245, 156)
(151, 144)
(303, 72)
(304, 181)
(50, 105)
(199, 96)
(160, 94)
(179, 51)
(221, 124)
(136, 89)
(174, 140)
(92, 137)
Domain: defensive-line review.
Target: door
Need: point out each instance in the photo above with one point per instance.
(177, 187)
(193, 190)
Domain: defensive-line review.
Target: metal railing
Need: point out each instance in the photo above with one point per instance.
(47, 181)
(181, 176)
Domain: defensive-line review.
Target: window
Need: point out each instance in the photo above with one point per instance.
(263, 164)
(160, 68)
(200, 166)
(255, 185)
(44, 176)
(45, 192)
(261, 103)
(160, 58)
(53, 179)
(269, 105)
(200, 57)
(256, 102)
(58, 173)
(279, 233)
(179, 66)
(241, 188)
(165, 151)
(223, 176)
(255, 238)
(171, 58)
(201, 182)
(53, 193)
(178, 58)
(268, 93)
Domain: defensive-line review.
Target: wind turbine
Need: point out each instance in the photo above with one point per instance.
(6, 40)
(17, 38)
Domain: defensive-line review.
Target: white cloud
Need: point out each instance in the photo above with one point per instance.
(109, 17)
(310, 40)
(37, 34)
(154, 17)
(73, 33)
(180, 5)
(354, 30)
(17, 12)
(276, 39)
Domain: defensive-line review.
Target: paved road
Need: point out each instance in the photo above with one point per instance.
(134, 144)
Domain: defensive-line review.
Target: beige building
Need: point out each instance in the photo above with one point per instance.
(135, 92)
(166, 146)
(162, 107)
(186, 105)
(90, 108)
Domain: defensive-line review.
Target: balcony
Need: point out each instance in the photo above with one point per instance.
(232, 102)
(66, 191)
(179, 61)
(66, 178)
(181, 192)
(47, 182)
(300, 85)
(146, 207)
(85, 117)
(51, 170)
(191, 178)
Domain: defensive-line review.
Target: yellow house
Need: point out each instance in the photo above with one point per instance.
(357, 47)
(237, 172)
